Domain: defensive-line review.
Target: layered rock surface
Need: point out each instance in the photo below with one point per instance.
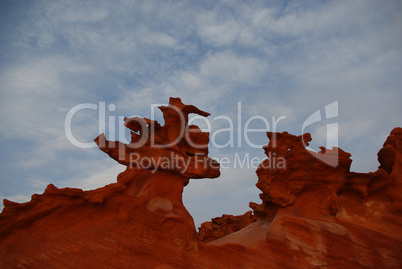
(315, 213)
(221, 226)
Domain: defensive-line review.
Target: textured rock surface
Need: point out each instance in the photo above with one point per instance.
(221, 226)
(138, 222)
(315, 213)
(174, 147)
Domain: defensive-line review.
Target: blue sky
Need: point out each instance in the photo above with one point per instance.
(274, 58)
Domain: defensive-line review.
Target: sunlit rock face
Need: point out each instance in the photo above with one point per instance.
(138, 222)
(322, 174)
(222, 226)
(315, 213)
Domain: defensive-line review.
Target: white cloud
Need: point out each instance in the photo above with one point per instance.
(228, 194)
(226, 67)
(161, 39)
(219, 33)
(95, 178)
(32, 97)
(35, 78)
(45, 40)
(75, 11)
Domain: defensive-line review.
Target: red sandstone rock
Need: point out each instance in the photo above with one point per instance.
(175, 146)
(221, 226)
(138, 222)
(314, 214)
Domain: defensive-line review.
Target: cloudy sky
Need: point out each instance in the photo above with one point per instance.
(271, 59)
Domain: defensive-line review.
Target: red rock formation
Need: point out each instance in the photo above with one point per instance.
(138, 222)
(221, 226)
(314, 213)
(174, 147)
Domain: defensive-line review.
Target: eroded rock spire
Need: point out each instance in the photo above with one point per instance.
(175, 146)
